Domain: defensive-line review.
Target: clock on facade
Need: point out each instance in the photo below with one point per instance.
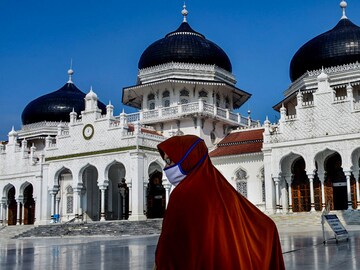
(88, 131)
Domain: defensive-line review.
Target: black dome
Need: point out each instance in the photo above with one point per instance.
(185, 46)
(56, 106)
(339, 46)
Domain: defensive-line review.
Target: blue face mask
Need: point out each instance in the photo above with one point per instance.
(175, 174)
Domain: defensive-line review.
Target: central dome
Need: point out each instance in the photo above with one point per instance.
(339, 46)
(184, 46)
(56, 106)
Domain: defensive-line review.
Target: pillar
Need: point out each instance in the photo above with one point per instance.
(1, 213)
(288, 180)
(77, 203)
(57, 206)
(130, 197)
(277, 194)
(144, 197)
(357, 194)
(167, 187)
(312, 195)
(22, 212)
(102, 214)
(348, 187)
(52, 211)
(137, 199)
(18, 202)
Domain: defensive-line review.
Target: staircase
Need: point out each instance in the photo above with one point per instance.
(9, 232)
(311, 221)
(294, 222)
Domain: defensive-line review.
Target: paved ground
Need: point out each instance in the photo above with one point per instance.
(302, 250)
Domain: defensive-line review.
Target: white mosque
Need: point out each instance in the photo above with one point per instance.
(74, 160)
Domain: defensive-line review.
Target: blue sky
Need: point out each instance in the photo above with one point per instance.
(105, 39)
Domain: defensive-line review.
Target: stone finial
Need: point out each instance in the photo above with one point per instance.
(184, 12)
(343, 6)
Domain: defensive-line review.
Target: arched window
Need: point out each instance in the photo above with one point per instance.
(184, 96)
(203, 94)
(151, 101)
(184, 93)
(151, 96)
(227, 103)
(241, 182)
(166, 94)
(166, 98)
(217, 100)
(69, 200)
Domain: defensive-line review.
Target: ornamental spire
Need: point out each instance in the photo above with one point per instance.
(184, 12)
(70, 73)
(343, 6)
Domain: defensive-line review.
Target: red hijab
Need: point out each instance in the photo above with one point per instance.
(208, 224)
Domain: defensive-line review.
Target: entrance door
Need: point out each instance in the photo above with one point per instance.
(12, 207)
(29, 206)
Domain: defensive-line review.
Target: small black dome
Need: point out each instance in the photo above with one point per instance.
(339, 46)
(185, 46)
(56, 106)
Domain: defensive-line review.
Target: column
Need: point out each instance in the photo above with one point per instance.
(288, 180)
(348, 186)
(102, 215)
(1, 213)
(22, 212)
(57, 207)
(52, 193)
(357, 194)
(144, 197)
(77, 203)
(167, 187)
(312, 195)
(18, 202)
(277, 194)
(137, 166)
(130, 197)
(321, 176)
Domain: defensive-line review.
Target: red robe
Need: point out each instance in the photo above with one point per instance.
(208, 224)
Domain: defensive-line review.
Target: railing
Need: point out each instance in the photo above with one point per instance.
(193, 107)
(357, 105)
(42, 124)
(290, 117)
(340, 98)
(308, 103)
(133, 117)
(221, 112)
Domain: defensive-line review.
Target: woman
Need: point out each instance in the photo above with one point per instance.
(208, 224)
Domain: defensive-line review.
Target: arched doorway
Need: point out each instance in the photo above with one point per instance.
(156, 200)
(91, 200)
(335, 183)
(117, 194)
(300, 186)
(64, 206)
(29, 205)
(12, 206)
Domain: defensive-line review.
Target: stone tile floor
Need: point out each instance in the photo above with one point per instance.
(302, 250)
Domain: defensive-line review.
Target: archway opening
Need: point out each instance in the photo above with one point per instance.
(117, 194)
(12, 206)
(91, 200)
(65, 196)
(300, 187)
(29, 205)
(156, 200)
(335, 183)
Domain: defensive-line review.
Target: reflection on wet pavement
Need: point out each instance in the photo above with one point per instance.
(301, 251)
